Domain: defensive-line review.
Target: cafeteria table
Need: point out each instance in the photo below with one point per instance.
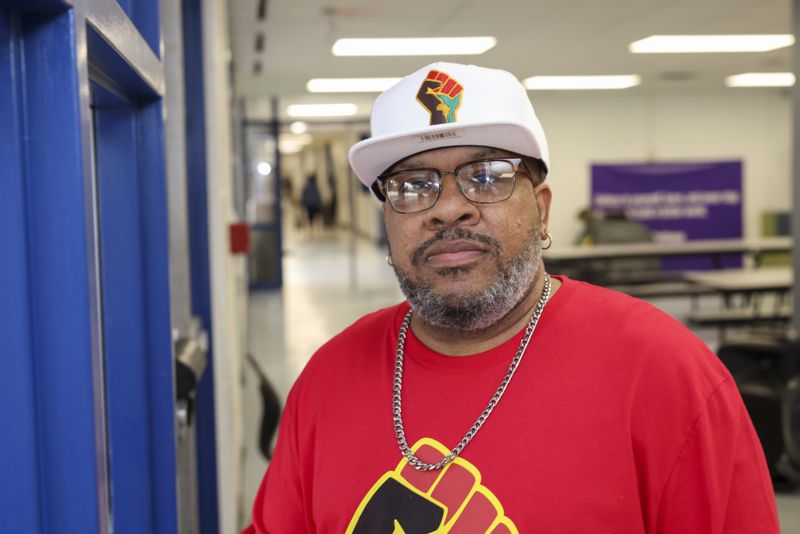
(751, 285)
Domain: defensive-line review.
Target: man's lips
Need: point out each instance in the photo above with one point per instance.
(454, 241)
(451, 253)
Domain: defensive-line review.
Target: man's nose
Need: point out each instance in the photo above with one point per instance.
(452, 208)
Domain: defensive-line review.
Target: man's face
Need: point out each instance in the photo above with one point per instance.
(462, 264)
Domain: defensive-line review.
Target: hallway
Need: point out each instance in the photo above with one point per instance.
(329, 282)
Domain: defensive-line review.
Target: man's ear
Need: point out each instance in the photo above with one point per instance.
(543, 198)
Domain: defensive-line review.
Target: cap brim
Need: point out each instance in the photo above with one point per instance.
(371, 157)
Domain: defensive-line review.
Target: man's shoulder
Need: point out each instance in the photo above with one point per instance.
(611, 305)
(635, 328)
(607, 304)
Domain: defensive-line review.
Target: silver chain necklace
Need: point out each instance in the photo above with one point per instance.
(397, 408)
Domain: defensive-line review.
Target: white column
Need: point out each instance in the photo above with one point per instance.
(228, 273)
(796, 169)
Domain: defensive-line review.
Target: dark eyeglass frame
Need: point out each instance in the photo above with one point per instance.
(379, 187)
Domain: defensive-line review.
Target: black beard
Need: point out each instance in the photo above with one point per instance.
(484, 308)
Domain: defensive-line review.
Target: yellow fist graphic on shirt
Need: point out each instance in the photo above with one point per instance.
(450, 500)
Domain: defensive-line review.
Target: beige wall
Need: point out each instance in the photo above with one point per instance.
(749, 125)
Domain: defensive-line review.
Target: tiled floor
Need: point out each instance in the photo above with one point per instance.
(329, 281)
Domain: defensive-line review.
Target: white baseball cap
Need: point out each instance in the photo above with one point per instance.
(444, 105)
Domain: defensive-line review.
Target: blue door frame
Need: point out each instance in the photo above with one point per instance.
(139, 389)
(197, 193)
(88, 442)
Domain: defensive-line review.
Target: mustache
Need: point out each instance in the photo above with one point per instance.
(453, 234)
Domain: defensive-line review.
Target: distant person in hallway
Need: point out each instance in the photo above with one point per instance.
(499, 398)
(311, 199)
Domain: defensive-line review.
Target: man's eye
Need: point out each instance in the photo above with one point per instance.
(483, 178)
(417, 184)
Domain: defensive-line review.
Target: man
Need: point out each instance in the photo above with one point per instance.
(500, 398)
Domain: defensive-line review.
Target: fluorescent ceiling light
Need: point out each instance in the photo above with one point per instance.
(288, 148)
(290, 144)
(687, 44)
(300, 139)
(350, 85)
(298, 127)
(761, 79)
(411, 46)
(321, 110)
(623, 81)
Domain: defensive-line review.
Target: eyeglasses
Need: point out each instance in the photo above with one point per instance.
(483, 181)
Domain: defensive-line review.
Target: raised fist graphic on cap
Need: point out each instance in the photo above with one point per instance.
(441, 96)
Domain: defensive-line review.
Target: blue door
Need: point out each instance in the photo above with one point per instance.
(86, 363)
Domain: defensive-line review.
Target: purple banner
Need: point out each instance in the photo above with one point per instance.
(677, 201)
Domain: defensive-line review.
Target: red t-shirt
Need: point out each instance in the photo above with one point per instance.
(618, 420)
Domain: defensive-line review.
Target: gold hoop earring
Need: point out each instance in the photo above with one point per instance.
(549, 239)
